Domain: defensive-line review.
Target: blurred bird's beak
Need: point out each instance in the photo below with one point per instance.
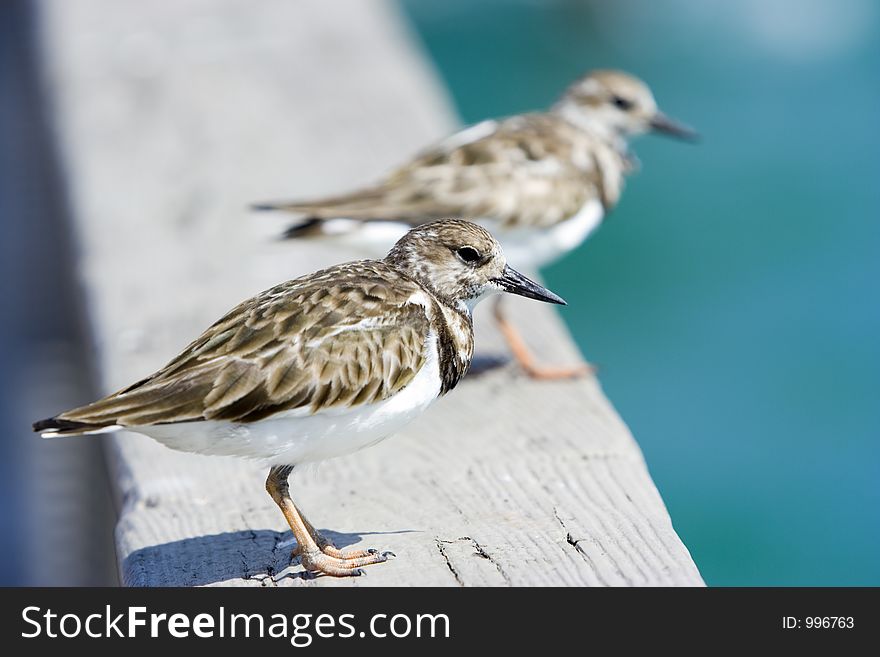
(515, 283)
(663, 124)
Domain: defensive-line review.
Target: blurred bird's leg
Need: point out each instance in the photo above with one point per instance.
(524, 357)
(313, 558)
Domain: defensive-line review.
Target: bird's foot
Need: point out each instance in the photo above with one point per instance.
(325, 546)
(320, 562)
(346, 555)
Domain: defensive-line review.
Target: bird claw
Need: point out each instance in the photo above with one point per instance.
(332, 551)
(319, 562)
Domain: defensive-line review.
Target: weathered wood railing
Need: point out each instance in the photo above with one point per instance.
(172, 117)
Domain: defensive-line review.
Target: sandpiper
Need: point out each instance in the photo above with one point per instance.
(320, 366)
(540, 182)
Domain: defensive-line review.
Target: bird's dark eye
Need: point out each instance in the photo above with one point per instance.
(468, 254)
(622, 103)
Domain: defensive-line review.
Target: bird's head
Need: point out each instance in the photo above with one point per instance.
(462, 263)
(616, 105)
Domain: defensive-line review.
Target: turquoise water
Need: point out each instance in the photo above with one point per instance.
(731, 298)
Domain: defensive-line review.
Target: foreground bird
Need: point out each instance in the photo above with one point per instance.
(320, 366)
(540, 182)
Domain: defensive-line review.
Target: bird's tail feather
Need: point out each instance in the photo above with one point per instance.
(148, 402)
(359, 204)
(350, 214)
(55, 427)
(311, 227)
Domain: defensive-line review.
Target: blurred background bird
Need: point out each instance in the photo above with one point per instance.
(541, 182)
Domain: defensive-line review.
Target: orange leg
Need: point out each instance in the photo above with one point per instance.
(526, 360)
(314, 557)
(327, 547)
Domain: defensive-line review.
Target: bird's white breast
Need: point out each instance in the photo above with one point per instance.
(533, 247)
(299, 436)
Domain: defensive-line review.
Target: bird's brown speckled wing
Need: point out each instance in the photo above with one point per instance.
(529, 170)
(338, 338)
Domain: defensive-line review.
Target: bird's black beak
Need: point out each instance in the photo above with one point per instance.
(515, 283)
(664, 125)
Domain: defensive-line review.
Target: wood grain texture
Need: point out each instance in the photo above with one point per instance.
(172, 118)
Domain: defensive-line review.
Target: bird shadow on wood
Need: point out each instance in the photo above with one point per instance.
(263, 555)
(485, 363)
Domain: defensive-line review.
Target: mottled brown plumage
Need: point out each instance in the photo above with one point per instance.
(345, 336)
(342, 336)
(528, 171)
(320, 366)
